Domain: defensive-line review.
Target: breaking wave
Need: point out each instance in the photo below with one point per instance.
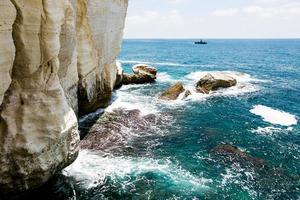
(92, 169)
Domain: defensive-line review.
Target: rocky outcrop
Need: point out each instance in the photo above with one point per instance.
(48, 50)
(144, 69)
(214, 81)
(142, 74)
(173, 92)
(99, 31)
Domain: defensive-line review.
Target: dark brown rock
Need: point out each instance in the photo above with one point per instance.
(173, 92)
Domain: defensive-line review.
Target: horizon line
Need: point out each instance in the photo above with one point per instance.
(212, 38)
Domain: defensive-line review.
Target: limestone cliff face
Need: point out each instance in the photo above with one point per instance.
(7, 48)
(99, 29)
(55, 57)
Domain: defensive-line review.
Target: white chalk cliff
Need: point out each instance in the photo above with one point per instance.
(57, 58)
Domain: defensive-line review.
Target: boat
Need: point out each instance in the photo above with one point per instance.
(201, 42)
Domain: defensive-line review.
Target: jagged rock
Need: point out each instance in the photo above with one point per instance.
(144, 69)
(173, 92)
(214, 81)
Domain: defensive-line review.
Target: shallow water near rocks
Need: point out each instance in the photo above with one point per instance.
(175, 160)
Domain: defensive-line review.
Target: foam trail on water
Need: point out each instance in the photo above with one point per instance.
(91, 169)
(270, 130)
(274, 116)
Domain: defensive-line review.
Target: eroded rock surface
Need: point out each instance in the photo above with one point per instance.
(142, 74)
(38, 134)
(100, 27)
(7, 47)
(212, 82)
(48, 50)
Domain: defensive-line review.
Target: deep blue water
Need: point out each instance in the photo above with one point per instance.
(175, 160)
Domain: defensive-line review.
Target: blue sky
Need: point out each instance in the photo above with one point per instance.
(213, 19)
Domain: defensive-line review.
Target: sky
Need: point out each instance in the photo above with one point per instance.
(213, 19)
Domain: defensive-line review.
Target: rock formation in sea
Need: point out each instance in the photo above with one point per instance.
(142, 74)
(214, 81)
(174, 91)
(57, 60)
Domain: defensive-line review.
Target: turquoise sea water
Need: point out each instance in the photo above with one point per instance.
(175, 161)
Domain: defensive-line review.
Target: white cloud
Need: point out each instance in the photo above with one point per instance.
(253, 9)
(225, 12)
(200, 19)
(287, 11)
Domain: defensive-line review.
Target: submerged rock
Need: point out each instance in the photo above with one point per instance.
(258, 174)
(214, 81)
(229, 154)
(144, 69)
(113, 130)
(173, 92)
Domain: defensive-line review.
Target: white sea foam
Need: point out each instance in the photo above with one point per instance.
(131, 96)
(271, 130)
(240, 176)
(134, 100)
(164, 77)
(274, 116)
(91, 169)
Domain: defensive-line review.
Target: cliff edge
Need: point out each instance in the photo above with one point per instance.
(57, 61)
